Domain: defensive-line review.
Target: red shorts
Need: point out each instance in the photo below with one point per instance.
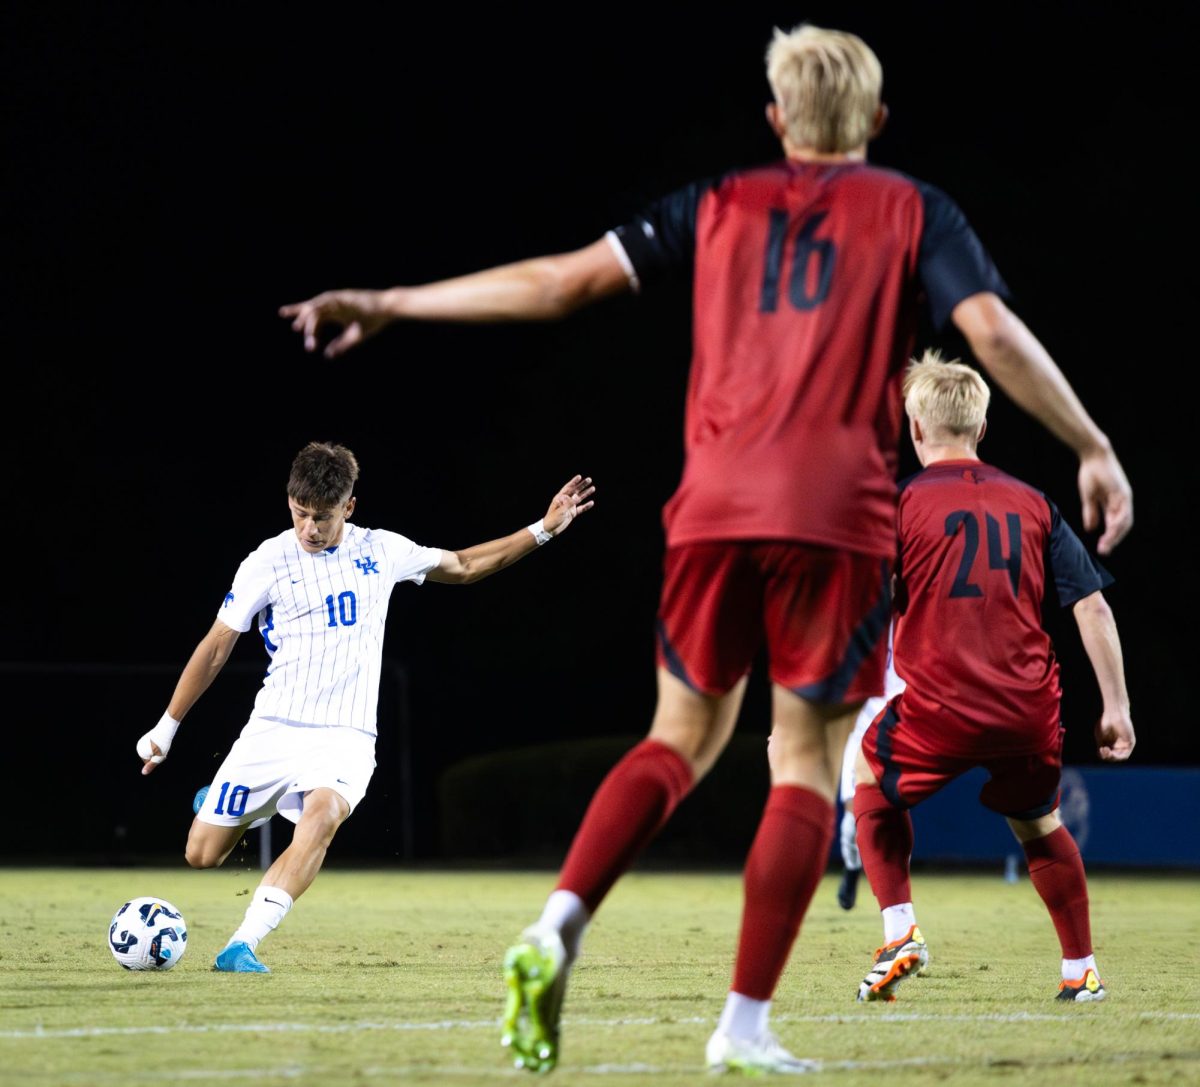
(823, 615)
(905, 759)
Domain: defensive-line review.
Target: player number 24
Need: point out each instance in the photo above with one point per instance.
(963, 586)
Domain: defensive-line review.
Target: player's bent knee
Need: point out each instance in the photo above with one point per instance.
(208, 845)
(324, 811)
(1028, 830)
(202, 856)
(804, 765)
(688, 743)
(794, 751)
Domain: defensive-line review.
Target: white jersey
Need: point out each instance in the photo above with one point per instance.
(321, 618)
(892, 686)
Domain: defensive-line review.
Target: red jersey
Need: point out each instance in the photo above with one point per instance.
(976, 547)
(806, 291)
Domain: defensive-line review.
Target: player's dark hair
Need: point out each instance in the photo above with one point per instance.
(323, 476)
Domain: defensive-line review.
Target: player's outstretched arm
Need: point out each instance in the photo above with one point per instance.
(1098, 628)
(1023, 368)
(540, 289)
(485, 559)
(207, 660)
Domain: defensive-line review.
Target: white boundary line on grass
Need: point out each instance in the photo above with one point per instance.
(494, 1024)
(490, 1072)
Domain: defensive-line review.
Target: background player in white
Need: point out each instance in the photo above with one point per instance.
(847, 835)
(319, 593)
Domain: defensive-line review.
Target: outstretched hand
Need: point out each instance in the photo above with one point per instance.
(154, 746)
(1105, 491)
(569, 503)
(1114, 737)
(359, 315)
(149, 762)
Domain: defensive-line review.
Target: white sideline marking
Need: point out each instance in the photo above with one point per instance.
(984, 1017)
(493, 1024)
(292, 1071)
(490, 1071)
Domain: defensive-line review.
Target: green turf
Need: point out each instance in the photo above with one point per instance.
(381, 977)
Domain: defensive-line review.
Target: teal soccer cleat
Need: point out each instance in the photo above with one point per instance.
(239, 959)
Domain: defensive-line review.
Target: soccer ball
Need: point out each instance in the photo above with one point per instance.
(147, 934)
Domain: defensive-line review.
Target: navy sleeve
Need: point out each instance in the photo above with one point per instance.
(952, 261)
(662, 237)
(1076, 574)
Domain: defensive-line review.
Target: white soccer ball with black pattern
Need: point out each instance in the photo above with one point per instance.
(147, 934)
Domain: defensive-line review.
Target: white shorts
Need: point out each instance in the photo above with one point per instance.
(892, 686)
(868, 713)
(273, 764)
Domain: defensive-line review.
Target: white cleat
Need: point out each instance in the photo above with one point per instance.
(753, 1056)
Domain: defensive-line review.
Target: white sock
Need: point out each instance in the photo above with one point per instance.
(743, 1016)
(267, 908)
(1074, 969)
(897, 920)
(568, 916)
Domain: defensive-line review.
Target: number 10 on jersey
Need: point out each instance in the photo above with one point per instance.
(343, 610)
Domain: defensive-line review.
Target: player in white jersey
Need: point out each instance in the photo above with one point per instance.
(319, 594)
(848, 834)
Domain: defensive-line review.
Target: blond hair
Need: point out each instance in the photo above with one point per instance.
(827, 84)
(946, 396)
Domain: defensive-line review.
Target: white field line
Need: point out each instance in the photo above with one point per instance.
(492, 1024)
(490, 1071)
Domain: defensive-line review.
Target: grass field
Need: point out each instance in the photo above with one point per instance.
(383, 976)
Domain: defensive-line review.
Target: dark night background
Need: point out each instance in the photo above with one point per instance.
(173, 175)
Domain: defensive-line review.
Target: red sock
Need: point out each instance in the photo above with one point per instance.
(885, 840)
(1056, 871)
(628, 810)
(785, 865)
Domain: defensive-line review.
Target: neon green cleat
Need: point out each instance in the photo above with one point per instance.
(536, 975)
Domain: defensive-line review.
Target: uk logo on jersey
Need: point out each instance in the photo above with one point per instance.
(228, 599)
(367, 566)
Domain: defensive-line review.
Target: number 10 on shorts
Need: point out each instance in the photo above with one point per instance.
(237, 797)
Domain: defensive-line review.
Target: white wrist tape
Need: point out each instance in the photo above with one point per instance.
(538, 528)
(161, 735)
